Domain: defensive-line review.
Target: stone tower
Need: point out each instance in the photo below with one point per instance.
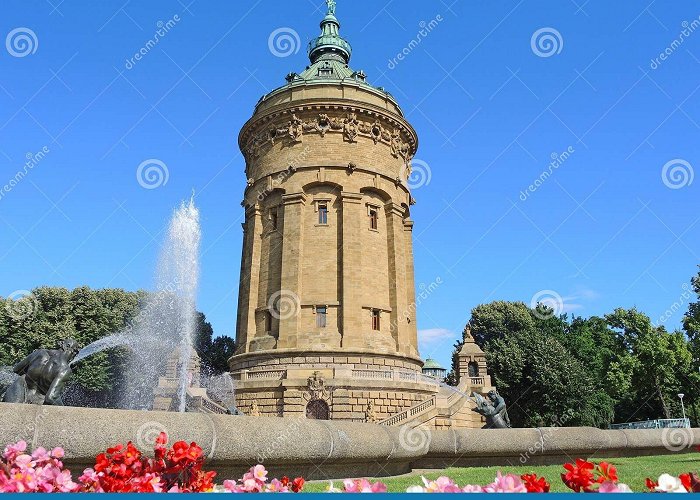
(326, 311)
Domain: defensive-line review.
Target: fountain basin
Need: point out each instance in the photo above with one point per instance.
(319, 449)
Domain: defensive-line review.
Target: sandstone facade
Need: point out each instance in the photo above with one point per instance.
(326, 312)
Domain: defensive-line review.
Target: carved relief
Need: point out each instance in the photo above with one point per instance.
(316, 388)
(376, 131)
(254, 410)
(295, 128)
(350, 125)
(351, 128)
(370, 414)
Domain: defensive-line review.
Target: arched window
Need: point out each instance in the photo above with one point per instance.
(318, 410)
(473, 369)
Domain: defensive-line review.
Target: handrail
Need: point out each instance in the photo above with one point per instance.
(410, 412)
(661, 423)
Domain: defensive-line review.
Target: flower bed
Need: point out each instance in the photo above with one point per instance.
(180, 468)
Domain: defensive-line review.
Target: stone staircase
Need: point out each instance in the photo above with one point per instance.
(449, 407)
(416, 414)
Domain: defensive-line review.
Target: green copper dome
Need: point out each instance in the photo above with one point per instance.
(431, 363)
(330, 45)
(329, 54)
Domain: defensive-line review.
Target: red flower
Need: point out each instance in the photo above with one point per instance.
(101, 462)
(298, 484)
(162, 439)
(651, 484)
(535, 484)
(579, 476)
(607, 472)
(685, 480)
(284, 481)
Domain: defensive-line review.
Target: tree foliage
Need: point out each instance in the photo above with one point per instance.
(593, 371)
(50, 314)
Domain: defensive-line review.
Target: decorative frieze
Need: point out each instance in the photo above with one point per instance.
(351, 124)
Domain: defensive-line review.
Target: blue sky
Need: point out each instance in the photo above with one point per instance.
(615, 225)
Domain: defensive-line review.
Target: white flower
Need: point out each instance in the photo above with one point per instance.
(623, 488)
(415, 489)
(670, 484)
(332, 489)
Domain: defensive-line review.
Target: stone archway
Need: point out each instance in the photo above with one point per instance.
(318, 409)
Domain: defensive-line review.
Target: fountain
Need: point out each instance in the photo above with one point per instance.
(166, 321)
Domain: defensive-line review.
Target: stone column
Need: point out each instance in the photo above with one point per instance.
(400, 313)
(412, 330)
(290, 283)
(351, 299)
(250, 277)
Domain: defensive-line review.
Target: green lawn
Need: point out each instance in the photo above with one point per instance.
(631, 471)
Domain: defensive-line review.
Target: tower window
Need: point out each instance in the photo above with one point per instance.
(375, 319)
(323, 213)
(321, 316)
(373, 218)
(273, 219)
(268, 321)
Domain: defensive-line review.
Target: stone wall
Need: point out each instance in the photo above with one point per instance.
(322, 449)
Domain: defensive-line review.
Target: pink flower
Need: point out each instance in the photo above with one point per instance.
(442, 484)
(363, 486)
(12, 450)
(64, 482)
(40, 455)
(611, 487)
(473, 488)
(24, 461)
(276, 486)
(509, 483)
(231, 486)
(259, 473)
(57, 453)
(252, 486)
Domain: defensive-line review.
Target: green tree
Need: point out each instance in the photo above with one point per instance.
(222, 349)
(655, 366)
(543, 384)
(499, 319)
(51, 314)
